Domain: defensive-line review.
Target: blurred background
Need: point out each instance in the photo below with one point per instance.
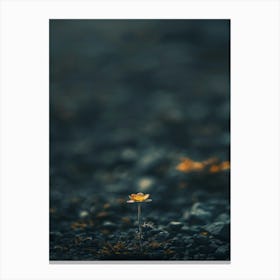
(138, 106)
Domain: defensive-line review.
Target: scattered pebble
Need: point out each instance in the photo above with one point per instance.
(175, 225)
(109, 225)
(219, 229)
(83, 214)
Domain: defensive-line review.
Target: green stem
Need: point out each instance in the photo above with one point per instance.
(139, 225)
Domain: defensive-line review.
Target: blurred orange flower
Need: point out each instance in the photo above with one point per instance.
(222, 166)
(188, 165)
(211, 165)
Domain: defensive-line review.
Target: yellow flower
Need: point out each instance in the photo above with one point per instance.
(139, 197)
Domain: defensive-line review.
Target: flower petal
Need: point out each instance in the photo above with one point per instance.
(130, 201)
(145, 196)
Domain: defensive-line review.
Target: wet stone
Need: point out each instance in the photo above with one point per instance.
(200, 239)
(222, 252)
(199, 214)
(155, 231)
(219, 229)
(109, 225)
(131, 232)
(190, 230)
(68, 235)
(162, 236)
(175, 225)
(204, 249)
(212, 246)
(223, 218)
(177, 241)
(83, 214)
(188, 239)
(54, 235)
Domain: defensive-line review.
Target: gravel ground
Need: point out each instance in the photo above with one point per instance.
(139, 106)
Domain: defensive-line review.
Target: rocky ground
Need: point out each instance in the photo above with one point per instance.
(139, 106)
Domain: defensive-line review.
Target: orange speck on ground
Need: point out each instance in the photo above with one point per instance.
(102, 214)
(106, 205)
(78, 225)
(155, 245)
(126, 220)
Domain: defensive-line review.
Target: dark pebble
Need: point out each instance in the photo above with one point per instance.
(68, 235)
(186, 229)
(219, 229)
(175, 225)
(177, 241)
(109, 225)
(224, 218)
(55, 235)
(131, 233)
(199, 214)
(162, 236)
(200, 239)
(155, 231)
(222, 252)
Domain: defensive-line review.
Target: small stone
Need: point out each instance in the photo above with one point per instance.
(177, 241)
(217, 242)
(185, 229)
(55, 235)
(189, 230)
(83, 214)
(198, 214)
(201, 239)
(155, 231)
(109, 225)
(131, 233)
(205, 249)
(175, 225)
(223, 218)
(222, 252)
(219, 229)
(188, 239)
(162, 236)
(157, 255)
(213, 246)
(68, 235)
